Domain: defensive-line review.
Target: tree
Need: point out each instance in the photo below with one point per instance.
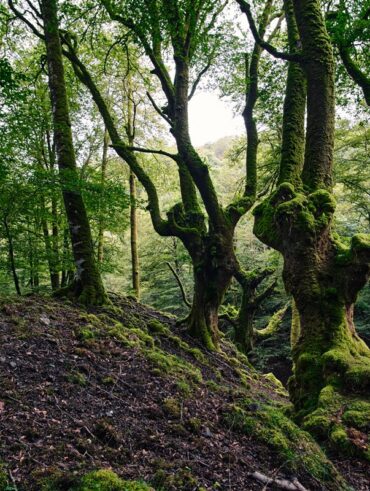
(210, 247)
(87, 286)
(323, 274)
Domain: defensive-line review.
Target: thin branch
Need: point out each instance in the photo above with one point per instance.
(181, 286)
(246, 9)
(24, 19)
(161, 113)
(159, 152)
(355, 73)
(199, 76)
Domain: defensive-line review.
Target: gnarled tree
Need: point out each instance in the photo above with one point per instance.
(324, 275)
(207, 236)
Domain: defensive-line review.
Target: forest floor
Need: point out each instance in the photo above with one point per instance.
(124, 388)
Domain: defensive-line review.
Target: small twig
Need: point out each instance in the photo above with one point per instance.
(280, 483)
(12, 479)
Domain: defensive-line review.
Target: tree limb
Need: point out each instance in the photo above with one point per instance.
(245, 8)
(355, 73)
(172, 156)
(181, 286)
(158, 110)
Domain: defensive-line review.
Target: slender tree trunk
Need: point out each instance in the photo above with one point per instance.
(251, 300)
(55, 280)
(134, 237)
(50, 253)
(88, 287)
(130, 131)
(11, 256)
(104, 163)
(65, 254)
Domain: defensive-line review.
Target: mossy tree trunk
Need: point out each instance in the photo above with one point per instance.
(54, 273)
(213, 267)
(251, 300)
(134, 222)
(87, 287)
(323, 275)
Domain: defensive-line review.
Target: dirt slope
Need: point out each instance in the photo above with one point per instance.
(123, 388)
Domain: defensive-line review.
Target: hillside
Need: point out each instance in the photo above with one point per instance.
(124, 389)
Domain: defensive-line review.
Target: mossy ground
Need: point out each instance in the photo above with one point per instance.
(110, 388)
(343, 420)
(100, 480)
(294, 447)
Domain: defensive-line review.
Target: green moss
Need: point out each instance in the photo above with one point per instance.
(87, 333)
(295, 447)
(273, 324)
(340, 440)
(156, 327)
(178, 479)
(278, 386)
(172, 407)
(77, 378)
(194, 424)
(55, 480)
(335, 416)
(168, 364)
(214, 386)
(357, 415)
(361, 242)
(304, 213)
(4, 482)
(108, 380)
(184, 388)
(107, 480)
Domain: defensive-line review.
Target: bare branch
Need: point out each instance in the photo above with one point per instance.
(199, 76)
(181, 286)
(158, 110)
(24, 19)
(159, 152)
(245, 8)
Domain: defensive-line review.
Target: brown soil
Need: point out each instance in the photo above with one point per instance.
(73, 406)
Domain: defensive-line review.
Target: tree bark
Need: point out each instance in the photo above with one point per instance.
(104, 163)
(87, 287)
(251, 300)
(130, 132)
(134, 237)
(11, 256)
